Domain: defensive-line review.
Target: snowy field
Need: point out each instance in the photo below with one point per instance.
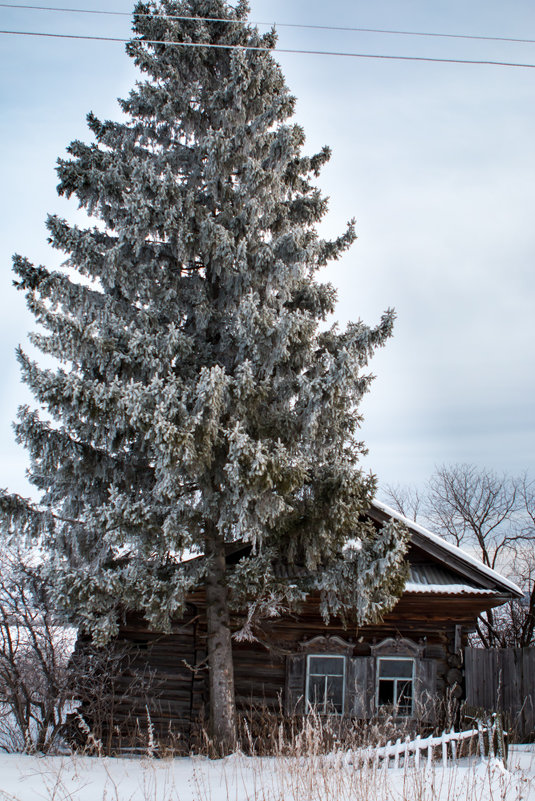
(239, 778)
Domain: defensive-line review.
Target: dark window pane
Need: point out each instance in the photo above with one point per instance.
(395, 668)
(316, 691)
(335, 693)
(326, 665)
(404, 697)
(386, 692)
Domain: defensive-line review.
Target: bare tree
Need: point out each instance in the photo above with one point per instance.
(492, 515)
(477, 508)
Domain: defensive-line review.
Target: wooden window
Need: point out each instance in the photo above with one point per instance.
(325, 684)
(395, 685)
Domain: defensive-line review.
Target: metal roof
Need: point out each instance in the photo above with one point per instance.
(433, 578)
(423, 578)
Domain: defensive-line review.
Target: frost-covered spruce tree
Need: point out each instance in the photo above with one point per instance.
(199, 399)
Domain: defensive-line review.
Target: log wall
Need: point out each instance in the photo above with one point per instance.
(164, 684)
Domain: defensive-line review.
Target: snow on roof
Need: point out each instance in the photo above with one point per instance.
(447, 546)
(446, 589)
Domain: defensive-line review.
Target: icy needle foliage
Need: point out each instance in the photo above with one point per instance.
(197, 388)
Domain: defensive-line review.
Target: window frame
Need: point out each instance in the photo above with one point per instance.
(309, 706)
(395, 679)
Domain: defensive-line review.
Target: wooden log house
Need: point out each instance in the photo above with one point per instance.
(405, 666)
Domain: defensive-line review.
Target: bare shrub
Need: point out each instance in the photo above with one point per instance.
(35, 647)
(118, 702)
(54, 695)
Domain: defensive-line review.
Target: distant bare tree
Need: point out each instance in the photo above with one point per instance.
(493, 516)
(405, 499)
(527, 494)
(523, 612)
(514, 624)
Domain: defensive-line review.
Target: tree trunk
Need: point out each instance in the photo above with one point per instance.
(221, 669)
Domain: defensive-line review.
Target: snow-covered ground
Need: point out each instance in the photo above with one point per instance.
(239, 778)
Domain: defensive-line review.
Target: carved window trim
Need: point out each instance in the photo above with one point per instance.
(398, 646)
(325, 645)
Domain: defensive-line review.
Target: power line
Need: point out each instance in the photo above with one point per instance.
(277, 24)
(273, 50)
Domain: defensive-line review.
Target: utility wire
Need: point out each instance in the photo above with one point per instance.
(276, 24)
(272, 50)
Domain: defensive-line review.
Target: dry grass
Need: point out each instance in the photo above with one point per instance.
(303, 770)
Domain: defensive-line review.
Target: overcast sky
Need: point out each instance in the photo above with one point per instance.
(436, 162)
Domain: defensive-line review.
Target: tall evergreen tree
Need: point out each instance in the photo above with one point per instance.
(200, 399)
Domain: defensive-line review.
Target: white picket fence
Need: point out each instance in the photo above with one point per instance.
(487, 742)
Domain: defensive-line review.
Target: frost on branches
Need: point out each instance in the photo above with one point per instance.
(199, 398)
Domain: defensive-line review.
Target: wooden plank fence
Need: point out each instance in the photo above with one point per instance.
(503, 680)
